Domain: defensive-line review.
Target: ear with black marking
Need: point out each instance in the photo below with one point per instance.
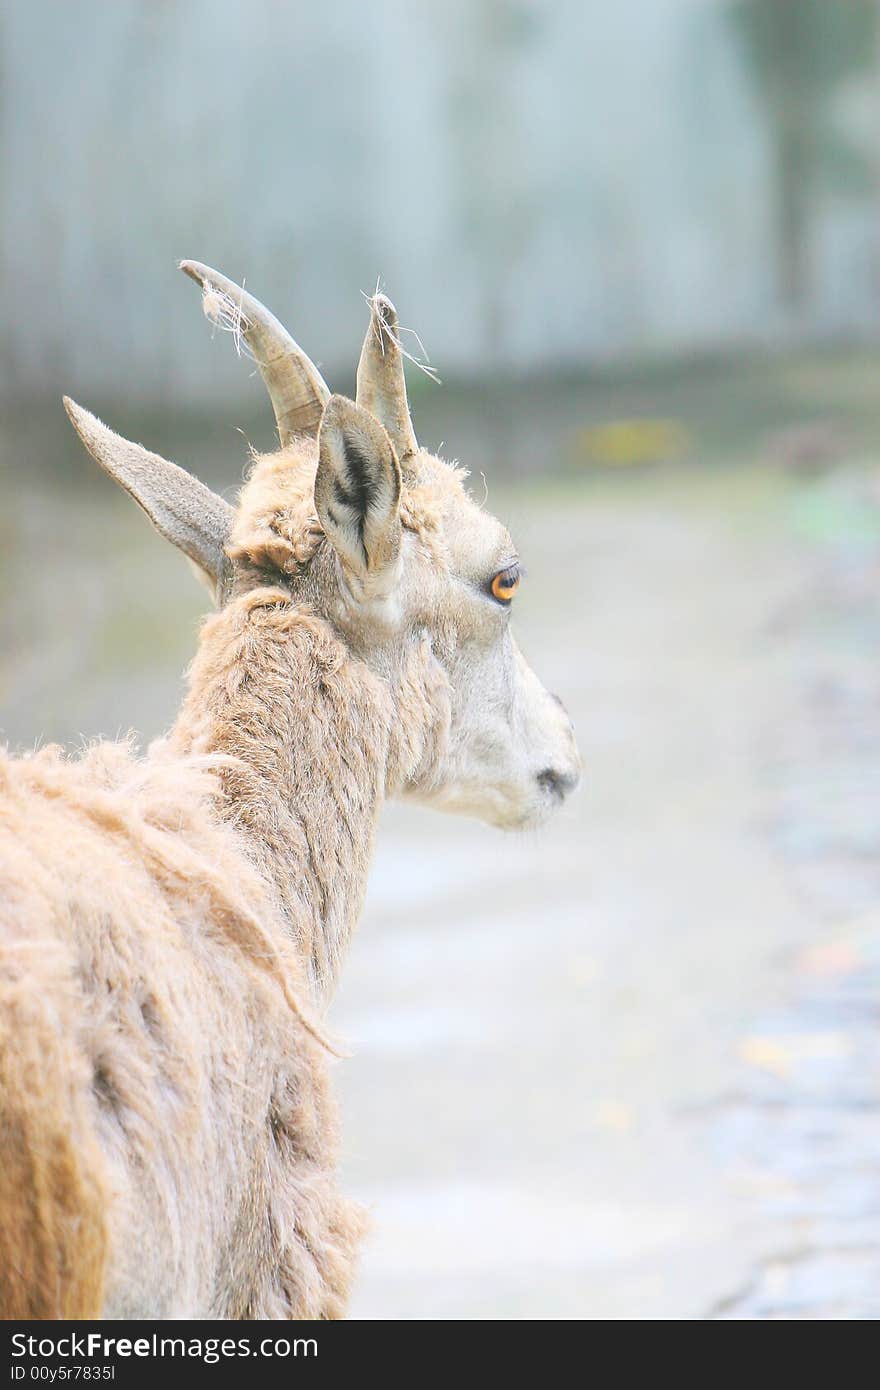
(181, 508)
(357, 496)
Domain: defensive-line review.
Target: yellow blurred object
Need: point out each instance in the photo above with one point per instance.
(615, 1116)
(781, 1054)
(621, 442)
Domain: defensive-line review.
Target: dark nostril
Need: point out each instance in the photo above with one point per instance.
(558, 701)
(559, 784)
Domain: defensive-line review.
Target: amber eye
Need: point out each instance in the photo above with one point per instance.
(505, 584)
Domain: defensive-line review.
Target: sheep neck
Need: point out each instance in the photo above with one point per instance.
(303, 732)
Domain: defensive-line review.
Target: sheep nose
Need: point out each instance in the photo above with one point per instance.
(557, 782)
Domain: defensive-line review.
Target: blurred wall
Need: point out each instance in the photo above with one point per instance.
(540, 183)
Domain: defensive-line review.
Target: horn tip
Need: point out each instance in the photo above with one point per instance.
(194, 269)
(383, 310)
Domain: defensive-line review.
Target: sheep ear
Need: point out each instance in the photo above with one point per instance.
(181, 508)
(357, 496)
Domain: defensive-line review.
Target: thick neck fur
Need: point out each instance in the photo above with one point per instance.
(309, 734)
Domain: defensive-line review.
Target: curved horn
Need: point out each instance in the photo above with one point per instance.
(296, 388)
(381, 387)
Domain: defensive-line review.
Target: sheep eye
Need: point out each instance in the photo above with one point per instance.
(506, 583)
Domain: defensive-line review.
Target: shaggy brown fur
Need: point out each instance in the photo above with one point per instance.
(154, 1058)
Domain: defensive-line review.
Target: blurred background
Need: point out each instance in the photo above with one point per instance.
(628, 1067)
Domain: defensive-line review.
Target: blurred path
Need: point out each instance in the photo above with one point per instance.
(559, 1084)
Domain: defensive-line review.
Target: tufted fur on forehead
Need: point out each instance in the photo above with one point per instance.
(276, 527)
